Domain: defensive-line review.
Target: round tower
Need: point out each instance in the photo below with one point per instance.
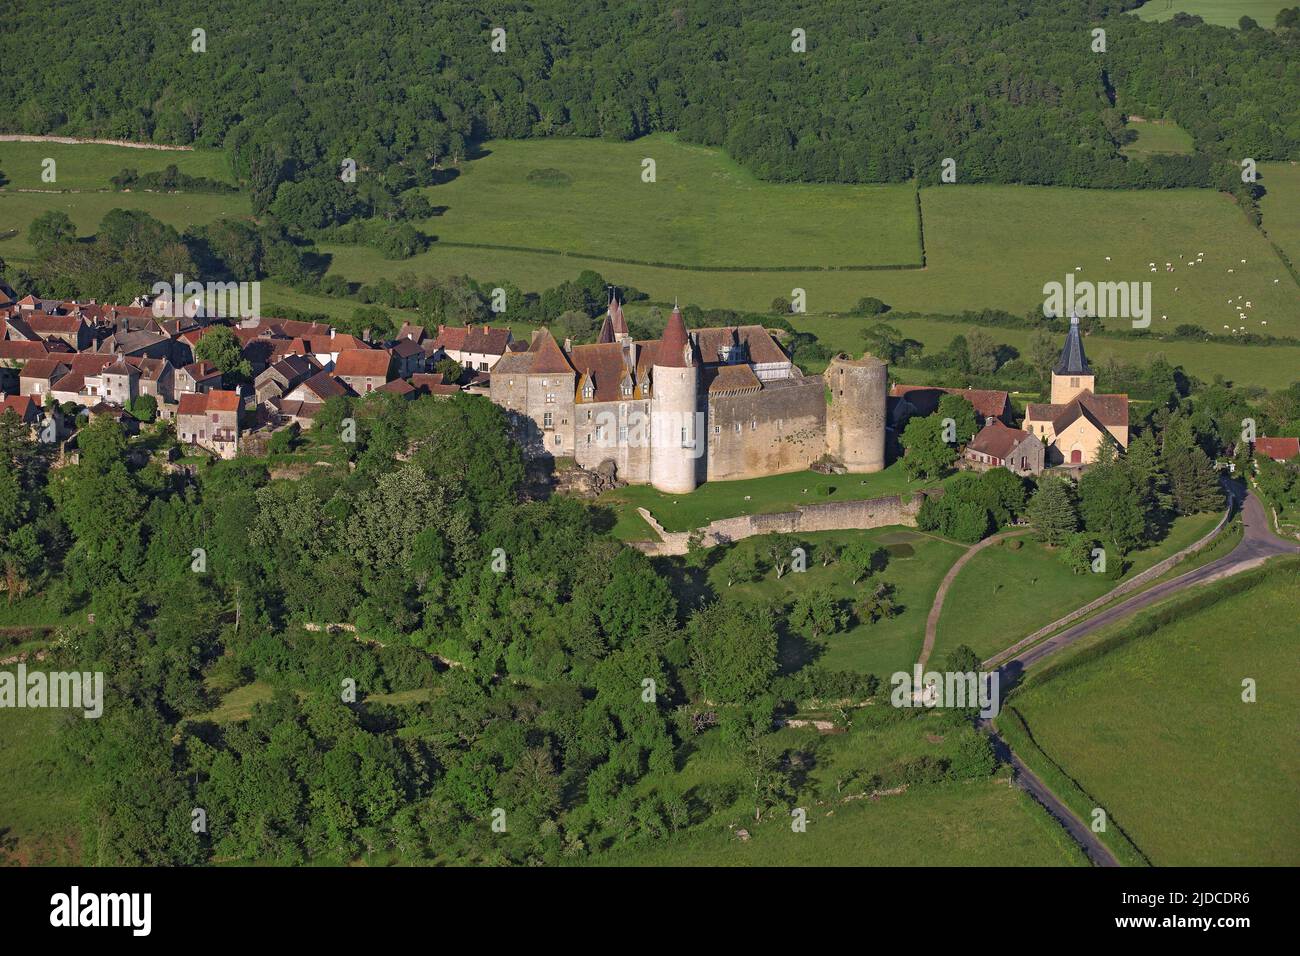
(678, 440)
(855, 413)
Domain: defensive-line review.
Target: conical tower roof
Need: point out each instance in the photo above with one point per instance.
(673, 347)
(1073, 361)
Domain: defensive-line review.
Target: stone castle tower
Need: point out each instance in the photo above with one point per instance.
(855, 412)
(674, 401)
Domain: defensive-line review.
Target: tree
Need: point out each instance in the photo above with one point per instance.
(740, 566)
(144, 408)
(220, 346)
(1077, 553)
(863, 559)
(1193, 481)
(1052, 511)
(733, 651)
(817, 612)
(50, 229)
(1110, 507)
(870, 305)
(927, 455)
(876, 603)
(959, 409)
(780, 552)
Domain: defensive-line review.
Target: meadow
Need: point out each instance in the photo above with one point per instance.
(90, 166)
(588, 198)
(986, 247)
(1155, 729)
(1158, 137)
(1005, 593)
(1223, 13)
(1280, 206)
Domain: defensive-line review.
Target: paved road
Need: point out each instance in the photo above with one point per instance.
(1257, 545)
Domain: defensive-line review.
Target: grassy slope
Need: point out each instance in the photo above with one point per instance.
(1224, 13)
(703, 209)
(1003, 595)
(975, 824)
(91, 165)
(38, 814)
(1157, 732)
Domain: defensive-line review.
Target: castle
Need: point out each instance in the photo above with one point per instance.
(713, 404)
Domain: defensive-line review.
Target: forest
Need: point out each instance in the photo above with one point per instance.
(883, 92)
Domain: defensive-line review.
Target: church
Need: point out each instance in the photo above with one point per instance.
(709, 404)
(1077, 420)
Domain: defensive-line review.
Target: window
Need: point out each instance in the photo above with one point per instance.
(589, 414)
(559, 439)
(550, 398)
(482, 366)
(548, 420)
(622, 434)
(1074, 383)
(737, 428)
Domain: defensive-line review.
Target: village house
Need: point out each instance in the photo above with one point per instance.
(1279, 449)
(912, 400)
(999, 446)
(476, 347)
(317, 390)
(363, 370)
(210, 420)
(196, 377)
(290, 371)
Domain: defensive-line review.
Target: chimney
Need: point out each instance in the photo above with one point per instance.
(568, 344)
(331, 331)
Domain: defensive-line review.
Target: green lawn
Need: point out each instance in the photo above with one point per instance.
(1224, 13)
(1003, 594)
(1155, 730)
(702, 210)
(775, 493)
(1158, 136)
(38, 809)
(92, 165)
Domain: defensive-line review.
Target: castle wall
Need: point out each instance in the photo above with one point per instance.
(615, 431)
(528, 399)
(832, 516)
(674, 430)
(779, 429)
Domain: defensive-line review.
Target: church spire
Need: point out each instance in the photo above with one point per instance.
(1073, 361)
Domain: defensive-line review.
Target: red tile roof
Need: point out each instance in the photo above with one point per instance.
(200, 403)
(988, 403)
(997, 439)
(363, 362)
(24, 406)
(673, 350)
(1279, 449)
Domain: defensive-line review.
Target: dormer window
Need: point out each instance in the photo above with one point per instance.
(627, 389)
(588, 390)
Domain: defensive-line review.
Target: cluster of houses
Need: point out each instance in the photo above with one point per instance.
(104, 358)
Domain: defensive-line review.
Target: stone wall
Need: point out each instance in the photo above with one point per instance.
(779, 429)
(833, 516)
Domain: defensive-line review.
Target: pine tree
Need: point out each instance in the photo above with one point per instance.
(1052, 513)
(1194, 482)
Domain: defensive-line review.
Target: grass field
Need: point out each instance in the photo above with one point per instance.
(1155, 730)
(92, 165)
(987, 247)
(702, 210)
(1281, 206)
(917, 564)
(775, 493)
(38, 810)
(1163, 136)
(86, 210)
(1003, 595)
(1224, 13)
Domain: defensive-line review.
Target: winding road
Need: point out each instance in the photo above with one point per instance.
(1258, 544)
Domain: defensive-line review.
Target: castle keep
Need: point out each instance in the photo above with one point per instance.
(711, 404)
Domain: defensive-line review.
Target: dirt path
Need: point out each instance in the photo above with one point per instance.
(936, 609)
(74, 141)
